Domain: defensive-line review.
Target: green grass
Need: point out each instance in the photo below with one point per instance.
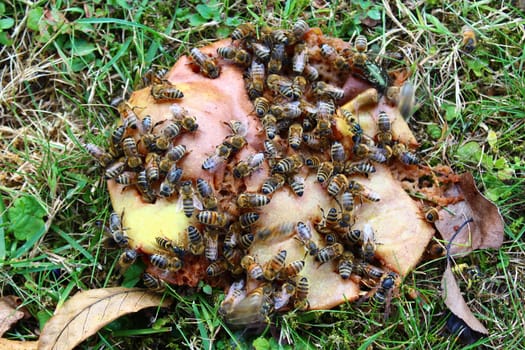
(59, 77)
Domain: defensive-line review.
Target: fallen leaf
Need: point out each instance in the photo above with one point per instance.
(86, 312)
(9, 314)
(455, 302)
(486, 230)
(18, 345)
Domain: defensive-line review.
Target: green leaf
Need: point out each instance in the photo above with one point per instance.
(2, 8)
(81, 47)
(43, 316)
(132, 275)
(478, 66)
(505, 174)
(233, 21)
(196, 20)
(434, 131)
(6, 23)
(33, 17)
(492, 138)
(205, 11)
(374, 14)
(261, 344)
(5, 39)
(437, 23)
(450, 111)
(469, 152)
(222, 32)
(25, 217)
(206, 289)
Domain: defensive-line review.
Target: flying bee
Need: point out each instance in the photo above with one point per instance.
(173, 176)
(276, 59)
(165, 92)
(261, 106)
(248, 219)
(324, 172)
(269, 123)
(272, 184)
(257, 79)
(152, 282)
(282, 298)
(217, 268)
(213, 218)
(324, 89)
(280, 85)
(172, 130)
(252, 310)
(171, 263)
(469, 40)
(407, 100)
(103, 158)
(310, 73)
(243, 31)
(261, 51)
(235, 294)
(291, 270)
(369, 244)
(253, 269)
(431, 215)
(252, 200)
(295, 135)
(337, 183)
(358, 189)
(208, 66)
(274, 266)
(304, 235)
(345, 265)
(401, 152)
(329, 253)
(297, 185)
(300, 58)
(127, 258)
(301, 294)
(288, 165)
(195, 239)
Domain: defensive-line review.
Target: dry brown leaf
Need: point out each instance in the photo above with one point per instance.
(9, 314)
(18, 345)
(86, 312)
(486, 230)
(455, 302)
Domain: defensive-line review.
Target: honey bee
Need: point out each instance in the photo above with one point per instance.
(371, 152)
(369, 244)
(366, 269)
(252, 200)
(304, 235)
(269, 123)
(337, 152)
(300, 28)
(235, 294)
(298, 87)
(329, 220)
(154, 76)
(469, 40)
(407, 100)
(310, 73)
(323, 128)
(274, 266)
(152, 167)
(385, 129)
(386, 285)
(280, 37)
(288, 165)
(243, 31)
(297, 185)
(169, 245)
(354, 236)
(400, 151)
(128, 116)
(144, 186)
(291, 270)
(213, 218)
(301, 294)
(173, 176)
(272, 184)
(328, 51)
(103, 158)
(252, 310)
(290, 110)
(211, 242)
(345, 265)
(116, 230)
(329, 252)
(358, 189)
(324, 172)
(176, 153)
(431, 215)
(152, 282)
(207, 65)
(338, 183)
(171, 263)
(209, 201)
(324, 89)
(257, 79)
(127, 258)
(253, 269)
(261, 51)
(165, 92)
(282, 298)
(280, 85)
(217, 268)
(361, 44)
(246, 240)
(213, 161)
(270, 150)
(126, 178)
(261, 106)
(347, 201)
(276, 59)
(172, 130)
(189, 123)
(235, 142)
(188, 200)
(361, 168)
(227, 52)
(300, 58)
(313, 162)
(295, 135)
(248, 219)
(196, 241)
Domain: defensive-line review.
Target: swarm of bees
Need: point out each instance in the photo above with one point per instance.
(297, 111)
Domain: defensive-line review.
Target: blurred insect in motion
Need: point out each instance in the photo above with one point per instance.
(369, 244)
(235, 294)
(407, 100)
(283, 296)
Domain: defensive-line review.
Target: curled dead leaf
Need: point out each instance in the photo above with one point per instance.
(486, 230)
(9, 314)
(18, 345)
(86, 312)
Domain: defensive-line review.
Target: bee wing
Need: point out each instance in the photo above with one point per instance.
(197, 203)
(247, 311)
(368, 233)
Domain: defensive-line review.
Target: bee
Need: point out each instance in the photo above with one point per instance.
(338, 183)
(196, 241)
(261, 106)
(361, 44)
(227, 52)
(235, 142)
(232, 237)
(324, 89)
(324, 172)
(126, 178)
(361, 168)
(270, 150)
(280, 85)
(299, 29)
(295, 135)
(432, 215)
(243, 31)
(252, 200)
(188, 199)
(471, 273)
(173, 176)
(272, 184)
(337, 152)
(354, 236)
(274, 266)
(345, 265)
(357, 189)
(144, 186)
(213, 161)
(313, 162)
(298, 87)
(152, 167)
(366, 269)
(242, 57)
(176, 153)
(213, 218)
(103, 158)
(469, 40)
(384, 135)
(217, 268)
(269, 123)
(252, 310)
(328, 51)
(301, 294)
(172, 130)
(300, 58)
(211, 242)
(276, 59)
(297, 185)
(291, 270)
(152, 282)
(248, 219)
(146, 125)
(329, 220)
(329, 252)
(169, 245)
(154, 76)
(280, 36)
(253, 269)
(127, 258)
(115, 142)
(371, 152)
(209, 201)
(310, 73)
(246, 240)
(129, 117)
(304, 235)
(347, 201)
(257, 79)
(165, 92)
(189, 123)
(171, 263)
(289, 110)
(407, 100)
(207, 65)
(261, 51)
(235, 294)
(369, 245)
(282, 298)
(117, 231)
(288, 165)
(400, 151)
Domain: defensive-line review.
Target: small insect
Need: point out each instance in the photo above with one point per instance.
(324, 89)
(282, 297)
(253, 269)
(401, 152)
(295, 135)
(235, 294)
(300, 58)
(347, 201)
(300, 28)
(291, 270)
(257, 79)
(261, 106)
(329, 253)
(269, 123)
(165, 92)
(117, 231)
(376, 75)
(171, 263)
(354, 236)
(297, 185)
(208, 198)
(280, 85)
(310, 73)
(337, 183)
(261, 51)
(126, 178)
(470, 273)
(104, 158)
(152, 167)
(171, 130)
(324, 172)
(189, 123)
(195, 239)
(280, 36)
(243, 31)
(270, 150)
(217, 268)
(298, 87)
(213, 218)
(272, 184)
(127, 258)
(128, 116)
(323, 129)
(252, 200)
(329, 219)
(154, 76)
(360, 168)
(358, 189)
(167, 186)
(152, 282)
(176, 153)
(274, 266)
(246, 240)
(384, 136)
(208, 66)
(288, 165)
(211, 242)
(431, 215)
(469, 40)
(252, 310)
(313, 162)
(361, 44)
(289, 110)
(235, 142)
(133, 158)
(369, 270)
(227, 52)
(337, 152)
(345, 265)
(276, 59)
(301, 294)
(304, 235)
(248, 219)
(407, 100)
(144, 186)
(373, 153)
(369, 245)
